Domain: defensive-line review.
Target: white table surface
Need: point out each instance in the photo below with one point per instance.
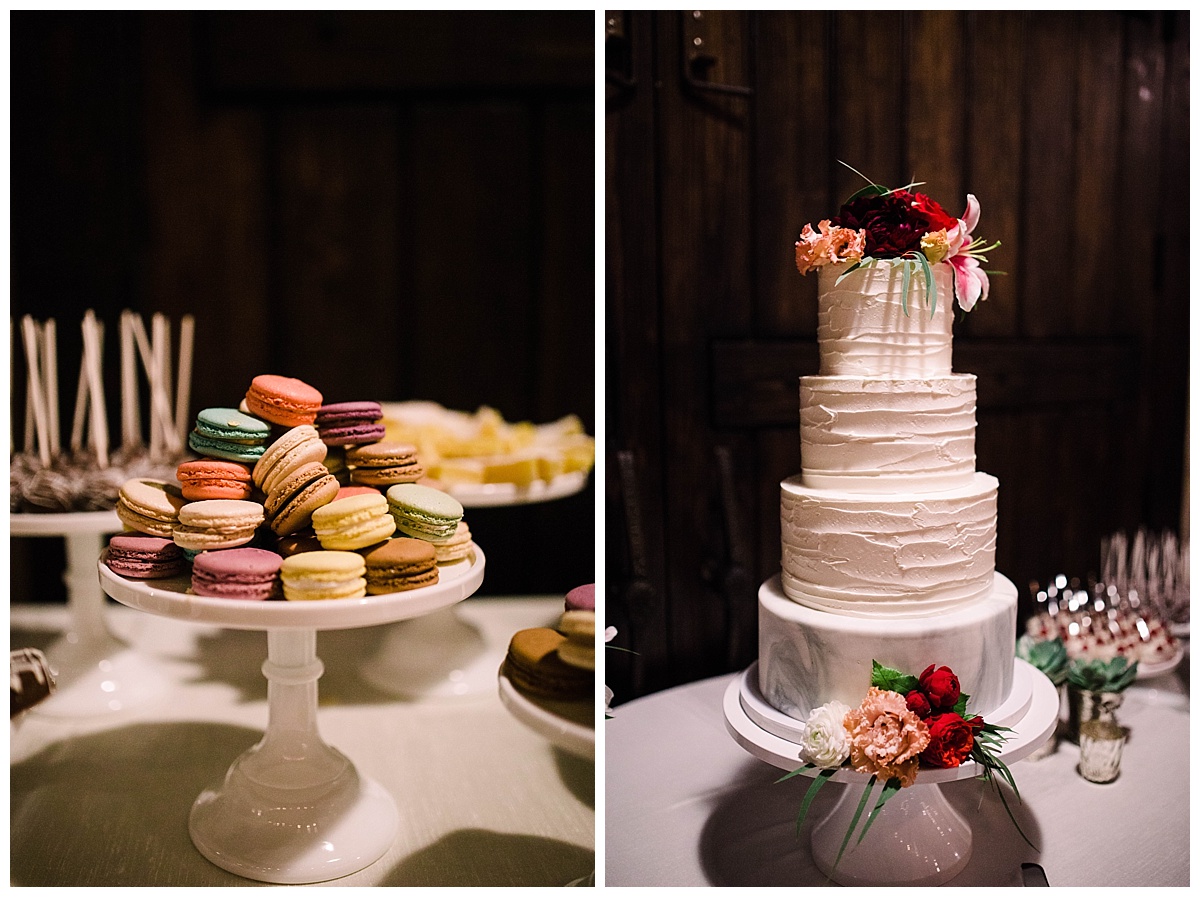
(104, 800)
(686, 806)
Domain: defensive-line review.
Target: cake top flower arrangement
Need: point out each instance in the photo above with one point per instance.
(904, 723)
(900, 227)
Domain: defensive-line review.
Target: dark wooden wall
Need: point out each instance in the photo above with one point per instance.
(387, 205)
(1072, 129)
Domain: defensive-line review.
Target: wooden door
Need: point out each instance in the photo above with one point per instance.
(724, 132)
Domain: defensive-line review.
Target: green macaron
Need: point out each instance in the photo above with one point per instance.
(424, 512)
(229, 434)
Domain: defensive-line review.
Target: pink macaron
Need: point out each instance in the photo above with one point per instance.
(582, 598)
(246, 574)
(140, 556)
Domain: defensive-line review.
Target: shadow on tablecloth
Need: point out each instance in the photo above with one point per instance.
(111, 808)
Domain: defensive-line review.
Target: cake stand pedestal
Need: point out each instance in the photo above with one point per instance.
(292, 809)
(96, 673)
(443, 656)
(918, 837)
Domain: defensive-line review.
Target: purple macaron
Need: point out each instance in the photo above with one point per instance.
(139, 556)
(351, 423)
(582, 597)
(248, 574)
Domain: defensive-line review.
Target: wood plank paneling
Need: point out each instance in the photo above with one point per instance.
(391, 206)
(1080, 352)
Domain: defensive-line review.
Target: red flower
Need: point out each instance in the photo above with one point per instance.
(918, 703)
(951, 739)
(893, 223)
(938, 217)
(940, 685)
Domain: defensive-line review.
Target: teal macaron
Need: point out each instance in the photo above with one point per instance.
(424, 512)
(229, 434)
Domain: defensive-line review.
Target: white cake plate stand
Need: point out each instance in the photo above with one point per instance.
(95, 672)
(442, 656)
(540, 716)
(292, 809)
(918, 837)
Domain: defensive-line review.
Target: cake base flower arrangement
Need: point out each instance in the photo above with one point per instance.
(904, 723)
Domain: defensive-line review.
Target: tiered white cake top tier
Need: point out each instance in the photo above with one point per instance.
(867, 326)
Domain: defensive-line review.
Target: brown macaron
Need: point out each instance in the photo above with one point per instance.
(384, 464)
(400, 564)
(534, 667)
(290, 504)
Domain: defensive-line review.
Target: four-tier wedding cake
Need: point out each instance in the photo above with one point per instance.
(888, 531)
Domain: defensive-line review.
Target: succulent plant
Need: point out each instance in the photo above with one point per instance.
(1049, 656)
(1112, 675)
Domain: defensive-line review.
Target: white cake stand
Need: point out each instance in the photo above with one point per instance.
(442, 656)
(292, 809)
(541, 717)
(918, 838)
(96, 673)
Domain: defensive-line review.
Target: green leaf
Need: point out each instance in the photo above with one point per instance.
(960, 707)
(930, 284)
(890, 789)
(904, 284)
(822, 777)
(891, 680)
(848, 272)
(869, 190)
(854, 822)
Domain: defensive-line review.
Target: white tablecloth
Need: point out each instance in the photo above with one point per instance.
(686, 806)
(104, 800)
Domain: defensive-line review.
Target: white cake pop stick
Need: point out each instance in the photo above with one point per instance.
(159, 412)
(50, 377)
(30, 334)
(183, 385)
(131, 424)
(93, 336)
(162, 344)
(81, 406)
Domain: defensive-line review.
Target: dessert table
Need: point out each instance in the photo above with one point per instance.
(685, 805)
(104, 800)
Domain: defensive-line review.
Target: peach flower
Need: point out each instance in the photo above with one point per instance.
(828, 245)
(886, 737)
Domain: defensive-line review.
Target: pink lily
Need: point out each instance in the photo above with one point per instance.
(970, 280)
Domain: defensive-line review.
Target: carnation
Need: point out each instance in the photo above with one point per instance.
(827, 245)
(825, 742)
(886, 738)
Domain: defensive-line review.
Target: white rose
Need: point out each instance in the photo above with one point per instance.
(825, 742)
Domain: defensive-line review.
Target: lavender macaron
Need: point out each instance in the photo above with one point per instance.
(351, 423)
(139, 556)
(247, 574)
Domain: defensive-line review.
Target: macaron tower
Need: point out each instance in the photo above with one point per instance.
(265, 513)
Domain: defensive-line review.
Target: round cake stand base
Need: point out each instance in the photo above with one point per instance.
(292, 809)
(297, 835)
(917, 838)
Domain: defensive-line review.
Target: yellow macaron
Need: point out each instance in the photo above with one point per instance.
(323, 575)
(354, 522)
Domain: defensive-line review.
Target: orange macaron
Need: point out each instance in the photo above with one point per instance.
(284, 401)
(208, 478)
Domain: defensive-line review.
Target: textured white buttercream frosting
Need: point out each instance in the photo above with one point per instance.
(876, 434)
(866, 325)
(900, 554)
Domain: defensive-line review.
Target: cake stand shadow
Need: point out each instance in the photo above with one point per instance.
(95, 672)
(918, 837)
(441, 655)
(292, 809)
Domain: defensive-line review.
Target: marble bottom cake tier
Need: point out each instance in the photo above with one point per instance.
(808, 657)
